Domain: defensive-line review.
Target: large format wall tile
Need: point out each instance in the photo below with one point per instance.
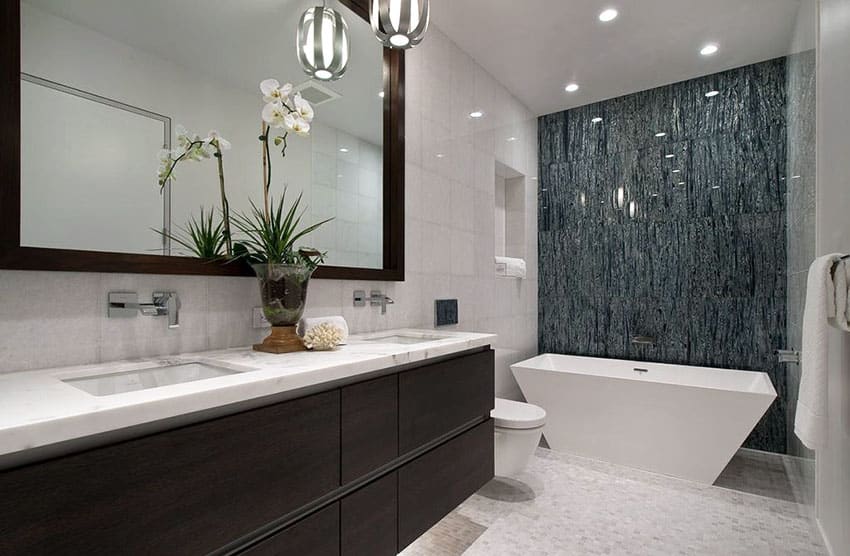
(692, 252)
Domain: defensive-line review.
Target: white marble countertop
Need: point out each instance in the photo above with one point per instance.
(38, 409)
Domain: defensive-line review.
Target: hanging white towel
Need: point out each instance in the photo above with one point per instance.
(306, 324)
(510, 267)
(841, 278)
(810, 419)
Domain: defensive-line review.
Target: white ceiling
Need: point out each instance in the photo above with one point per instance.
(536, 47)
(240, 42)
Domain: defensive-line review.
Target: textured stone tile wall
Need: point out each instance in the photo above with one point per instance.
(696, 256)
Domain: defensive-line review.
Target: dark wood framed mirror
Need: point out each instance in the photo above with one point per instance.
(23, 255)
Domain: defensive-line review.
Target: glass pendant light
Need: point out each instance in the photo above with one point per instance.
(399, 23)
(323, 44)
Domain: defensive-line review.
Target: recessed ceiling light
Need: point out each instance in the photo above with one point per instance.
(709, 49)
(655, 194)
(511, 139)
(795, 177)
(676, 171)
(343, 150)
(669, 155)
(712, 94)
(596, 120)
(440, 155)
(681, 183)
(608, 15)
(476, 114)
(660, 134)
(715, 187)
(571, 88)
(381, 94)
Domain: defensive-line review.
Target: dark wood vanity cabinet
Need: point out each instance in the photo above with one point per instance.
(317, 535)
(361, 469)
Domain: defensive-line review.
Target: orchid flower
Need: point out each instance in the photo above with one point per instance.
(216, 140)
(303, 108)
(274, 114)
(166, 162)
(274, 92)
(296, 124)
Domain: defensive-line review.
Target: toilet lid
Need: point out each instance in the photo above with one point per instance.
(509, 414)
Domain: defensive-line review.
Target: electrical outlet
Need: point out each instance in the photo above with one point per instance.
(260, 319)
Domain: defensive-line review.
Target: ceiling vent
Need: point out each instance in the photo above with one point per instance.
(316, 93)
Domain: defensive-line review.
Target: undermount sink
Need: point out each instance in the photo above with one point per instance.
(406, 338)
(108, 384)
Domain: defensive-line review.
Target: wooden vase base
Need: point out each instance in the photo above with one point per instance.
(283, 339)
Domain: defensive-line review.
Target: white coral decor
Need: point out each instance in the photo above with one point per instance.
(323, 337)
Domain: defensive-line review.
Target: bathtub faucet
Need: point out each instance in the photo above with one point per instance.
(643, 340)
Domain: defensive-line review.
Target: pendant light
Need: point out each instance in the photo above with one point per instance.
(399, 23)
(323, 44)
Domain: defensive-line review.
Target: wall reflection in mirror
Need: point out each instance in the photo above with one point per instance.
(106, 85)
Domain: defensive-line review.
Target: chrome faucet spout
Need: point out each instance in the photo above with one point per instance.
(126, 304)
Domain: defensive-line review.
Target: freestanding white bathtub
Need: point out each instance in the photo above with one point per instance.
(682, 421)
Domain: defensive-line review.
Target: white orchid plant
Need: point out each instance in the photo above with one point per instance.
(276, 228)
(192, 147)
(272, 232)
(282, 111)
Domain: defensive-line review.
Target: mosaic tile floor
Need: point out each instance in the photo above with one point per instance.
(567, 505)
(772, 475)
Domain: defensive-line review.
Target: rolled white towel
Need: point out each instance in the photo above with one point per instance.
(306, 324)
(510, 267)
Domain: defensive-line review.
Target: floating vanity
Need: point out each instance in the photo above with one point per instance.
(356, 451)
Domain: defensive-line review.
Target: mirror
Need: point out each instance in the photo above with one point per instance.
(107, 84)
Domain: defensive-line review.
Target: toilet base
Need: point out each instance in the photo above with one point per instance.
(513, 448)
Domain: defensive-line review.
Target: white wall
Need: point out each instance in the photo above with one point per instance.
(833, 235)
(49, 319)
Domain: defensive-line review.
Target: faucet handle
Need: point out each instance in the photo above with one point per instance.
(168, 303)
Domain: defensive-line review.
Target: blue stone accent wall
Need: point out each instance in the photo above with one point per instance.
(696, 256)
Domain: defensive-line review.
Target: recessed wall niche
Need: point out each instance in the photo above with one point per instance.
(510, 212)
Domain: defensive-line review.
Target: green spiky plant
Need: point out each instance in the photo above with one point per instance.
(203, 236)
(271, 239)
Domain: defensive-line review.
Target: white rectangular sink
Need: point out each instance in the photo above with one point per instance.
(108, 384)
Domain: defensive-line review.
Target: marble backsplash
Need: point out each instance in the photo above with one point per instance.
(695, 254)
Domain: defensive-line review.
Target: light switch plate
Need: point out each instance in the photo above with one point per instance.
(445, 312)
(260, 319)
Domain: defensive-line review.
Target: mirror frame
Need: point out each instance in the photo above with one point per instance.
(14, 256)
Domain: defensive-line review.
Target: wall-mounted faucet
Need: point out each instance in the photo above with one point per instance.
(788, 356)
(376, 298)
(126, 304)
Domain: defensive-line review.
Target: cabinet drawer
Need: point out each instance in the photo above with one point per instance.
(438, 398)
(369, 426)
(186, 491)
(434, 484)
(315, 535)
(369, 521)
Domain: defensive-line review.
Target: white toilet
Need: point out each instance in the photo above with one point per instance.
(518, 428)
